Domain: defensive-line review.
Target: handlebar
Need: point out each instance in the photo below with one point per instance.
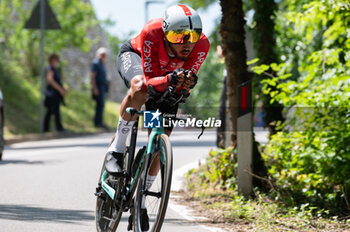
(132, 111)
(169, 97)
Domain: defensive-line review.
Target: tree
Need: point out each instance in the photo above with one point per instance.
(233, 36)
(19, 52)
(309, 158)
(265, 45)
(21, 45)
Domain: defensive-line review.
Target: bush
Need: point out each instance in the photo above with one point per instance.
(310, 158)
(220, 169)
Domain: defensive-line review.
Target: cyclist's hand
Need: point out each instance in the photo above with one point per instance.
(177, 77)
(190, 80)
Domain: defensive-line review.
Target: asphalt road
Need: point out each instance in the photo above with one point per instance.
(49, 185)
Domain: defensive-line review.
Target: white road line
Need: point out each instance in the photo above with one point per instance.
(177, 185)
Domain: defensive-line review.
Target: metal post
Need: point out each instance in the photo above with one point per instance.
(42, 56)
(147, 2)
(146, 11)
(245, 139)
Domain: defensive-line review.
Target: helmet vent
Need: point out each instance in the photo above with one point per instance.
(191, 26)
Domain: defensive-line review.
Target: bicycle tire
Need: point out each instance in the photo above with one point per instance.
(106, 208)
(165, 178)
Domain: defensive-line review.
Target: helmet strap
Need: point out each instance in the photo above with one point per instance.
(168, 45)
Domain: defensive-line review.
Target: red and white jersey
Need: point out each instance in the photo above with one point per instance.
(150, 45)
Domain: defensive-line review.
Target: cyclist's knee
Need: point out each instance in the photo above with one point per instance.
(138, 88)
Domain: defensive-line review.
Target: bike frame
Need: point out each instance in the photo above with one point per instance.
(150, 148)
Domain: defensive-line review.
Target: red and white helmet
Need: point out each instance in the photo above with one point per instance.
(181, 24)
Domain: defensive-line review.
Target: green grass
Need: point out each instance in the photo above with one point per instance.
(22, 97)
(79, 112)
(261, 213)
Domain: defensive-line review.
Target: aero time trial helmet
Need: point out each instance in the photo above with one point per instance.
(181, 24)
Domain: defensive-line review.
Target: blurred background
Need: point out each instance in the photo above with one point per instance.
(85, 26)
(295, 52)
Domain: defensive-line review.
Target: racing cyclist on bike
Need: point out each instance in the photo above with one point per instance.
(168, 51)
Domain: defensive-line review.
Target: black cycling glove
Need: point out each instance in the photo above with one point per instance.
(194, 76)
(173, 76)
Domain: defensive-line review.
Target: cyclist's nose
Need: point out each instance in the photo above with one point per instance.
(186, 45)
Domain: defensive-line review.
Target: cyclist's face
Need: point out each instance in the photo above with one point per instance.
(182, 50)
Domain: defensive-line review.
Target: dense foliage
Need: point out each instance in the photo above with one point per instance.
(219, 170)
(21, 45)
(310, 158)
(19, 54)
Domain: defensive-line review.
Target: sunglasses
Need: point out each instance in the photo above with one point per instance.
(184, 36)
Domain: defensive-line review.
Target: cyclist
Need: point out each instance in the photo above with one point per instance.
(168, 51)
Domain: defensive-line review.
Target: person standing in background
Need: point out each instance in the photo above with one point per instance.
(54, 94)
(99, 85)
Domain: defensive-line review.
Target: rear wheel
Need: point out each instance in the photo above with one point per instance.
(107, 213)
(156, 198)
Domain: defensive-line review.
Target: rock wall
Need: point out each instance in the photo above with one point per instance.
(77, 65)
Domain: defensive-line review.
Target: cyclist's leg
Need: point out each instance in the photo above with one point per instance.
(155, 166)
(130, 69)
(136, 96)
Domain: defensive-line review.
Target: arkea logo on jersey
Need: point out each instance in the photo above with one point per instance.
(200, 60)
(151, 119)
(147, 56)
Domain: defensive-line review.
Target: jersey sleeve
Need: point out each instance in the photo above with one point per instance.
(150, 60)
(198, 55)
(149, 54)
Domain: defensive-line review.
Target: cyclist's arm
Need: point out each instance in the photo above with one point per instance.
(194, 62)
(198, 55)
(150, 59)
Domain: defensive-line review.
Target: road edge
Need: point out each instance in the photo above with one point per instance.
(178, 185)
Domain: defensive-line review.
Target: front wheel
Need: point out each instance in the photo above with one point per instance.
(156, 198)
